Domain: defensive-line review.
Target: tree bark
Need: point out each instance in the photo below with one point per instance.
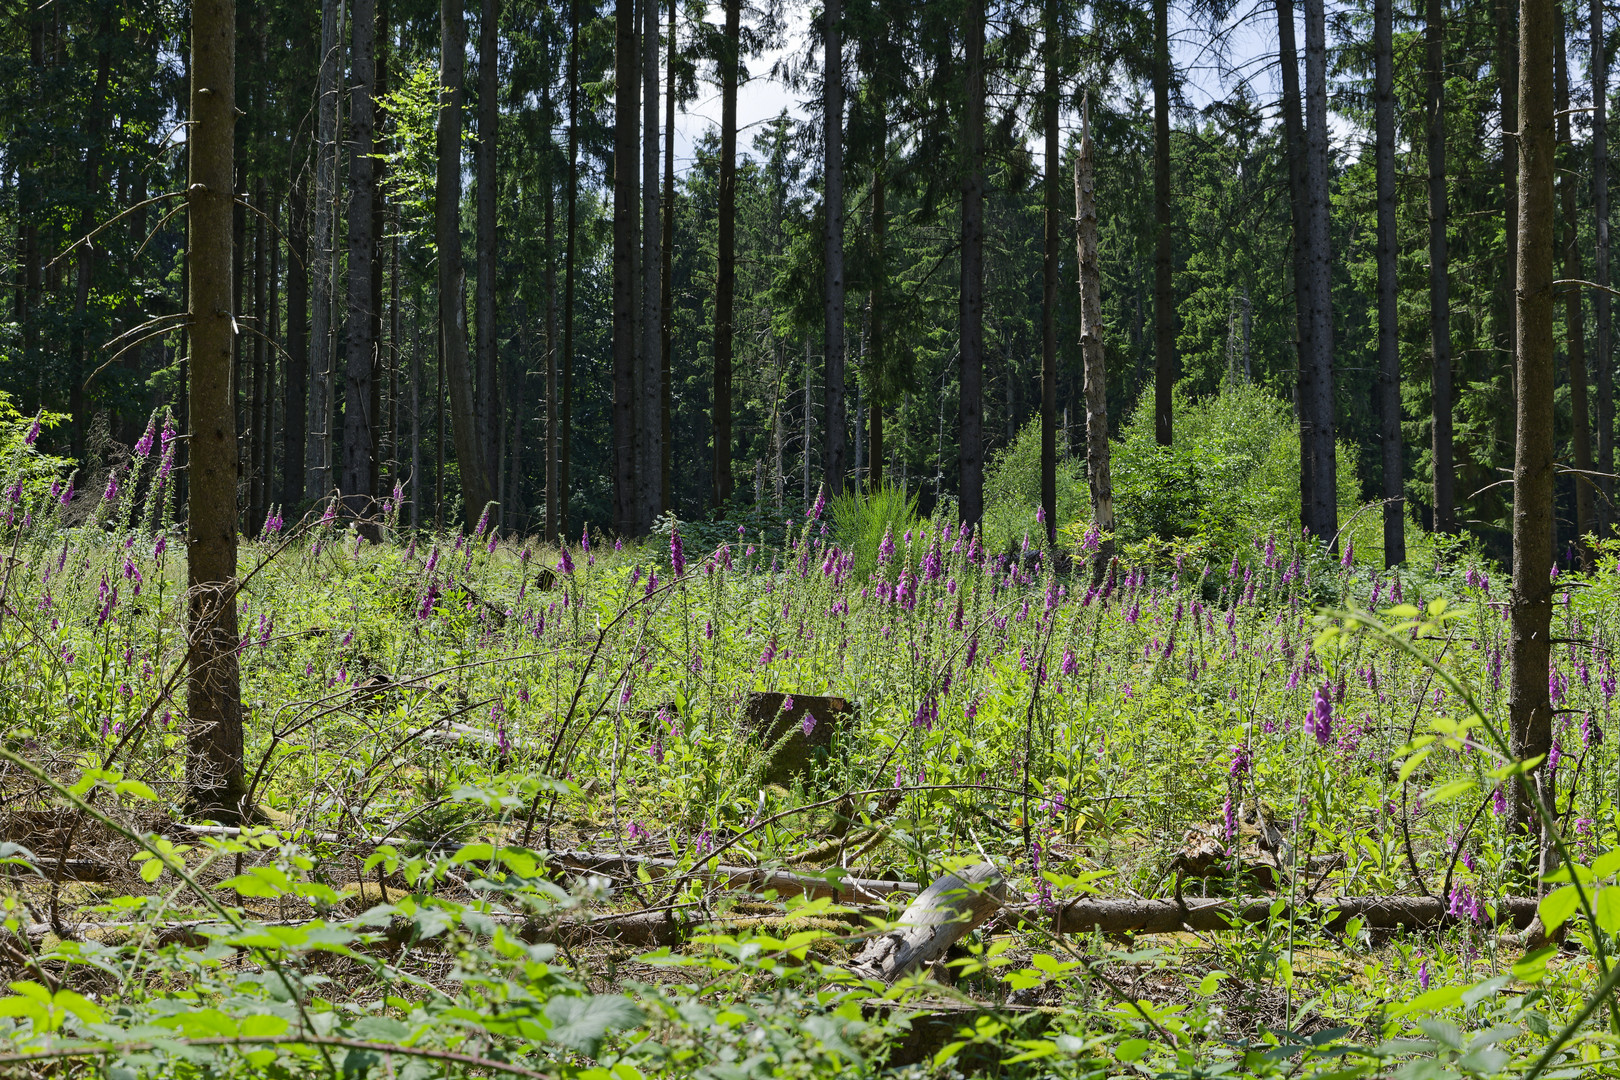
(726, 269)
(1529, 706)
(1389, 357)
(1049, 275)
(214, 780)
(1304, 324)
(1091, 348)
(319, 430)
(566, 406)
(297, 380)
(1602, 359)
(1164, 313)
(971, 288)
(1507, 54)
(359, 416)
(626, 206)
(1439, 294)
(486, 241)
(1575, 321)
(649, 423)
(832, 130)
(1319, 265)
(549, 531)
(877, 336)
(259, 429)
(455, 363)
(666, 279)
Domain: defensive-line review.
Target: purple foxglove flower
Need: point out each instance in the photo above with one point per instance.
(565, 565)
(33, 431)
(677, 553)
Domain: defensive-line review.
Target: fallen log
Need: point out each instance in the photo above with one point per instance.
(746, 878)
(940, 915)
(1116, 918)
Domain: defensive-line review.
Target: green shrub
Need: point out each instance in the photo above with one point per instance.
(1012, 491)
(1232, 473)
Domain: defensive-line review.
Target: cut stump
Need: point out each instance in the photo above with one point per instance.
(782, 732)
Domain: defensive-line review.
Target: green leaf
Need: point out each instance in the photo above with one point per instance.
(1446, 792)
(1132, 1050)
(1409, 766)
(1606, 909)
(1533, 966)
(1607, 864)
(1556, 907)
(580, 1023)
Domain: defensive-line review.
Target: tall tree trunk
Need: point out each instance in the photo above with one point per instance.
(358, 414)
(455, 363)
(1603, 359)
(86, 261)
(877, 337)
(1529, 706)
(566, 406)
(832, 130)
(267, 419)
(650, 426)
(1575, 319)
(1049, 276)
(666, 279)
(1507, 55)
(550, 525)
(297, 383)
(214, 781)
(726, 269)
(626, 157)
(971, 289)
(1439, 291)
(1304, 327)
(1319, 265)
(379, 226)
(486, 242)
(417, 483)
(259, 430)
(1091, 349)
(318, 431)
(1164, 312)
(1389, 357)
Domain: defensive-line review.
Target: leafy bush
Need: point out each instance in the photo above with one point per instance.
(1012, 491)
(1231, 475)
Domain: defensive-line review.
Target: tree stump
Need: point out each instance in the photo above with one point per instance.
(940, 916)
(796, 736)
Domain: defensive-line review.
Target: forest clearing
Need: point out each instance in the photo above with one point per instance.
(1061, 542)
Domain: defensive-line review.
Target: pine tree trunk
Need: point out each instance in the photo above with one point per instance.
(549, 532)
(566, 405)
(267, 451)
(666, 280)
(455, 364)
(1575, 321)
(1304, 326)
(1507, 53)
(214, 780)
(486, 241)
(626, 206)
(1049, 277)
(1439, 293)
(832, 128)
(297, 382)
(1091, 348)
(877, 336)
(649, 423)
(318, 429)
(1164, 313)
(418, 482)
(1389, 358)
(726, 270)
(259, 429)
(1529, 706)
(1602, 359)
(1319, 263)
(358, 415)
(971, 408)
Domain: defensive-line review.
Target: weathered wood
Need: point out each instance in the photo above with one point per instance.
(1119, 917)
(745, 878)
(792, 743)
(949, 908)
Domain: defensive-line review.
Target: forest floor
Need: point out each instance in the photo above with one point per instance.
(782, 806)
